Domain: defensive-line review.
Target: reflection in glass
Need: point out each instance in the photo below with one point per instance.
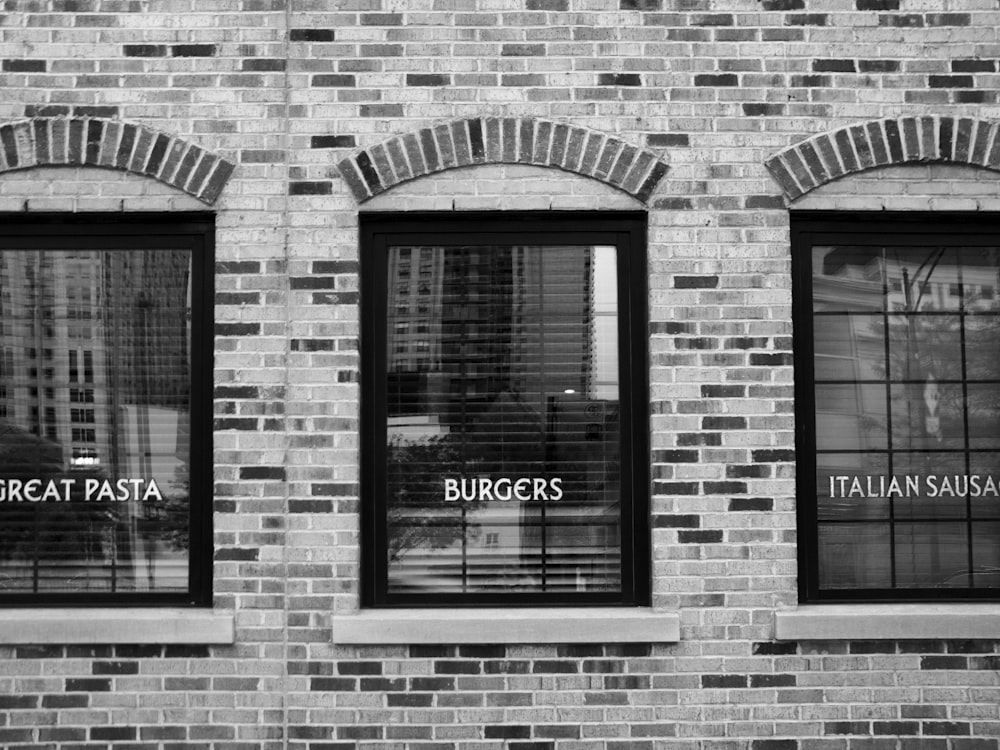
(854, 555)
(95, 412)
(907, 400)
(503, 420)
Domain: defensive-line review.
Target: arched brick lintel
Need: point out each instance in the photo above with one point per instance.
(507, 140)
(112, 144)
(826, 157)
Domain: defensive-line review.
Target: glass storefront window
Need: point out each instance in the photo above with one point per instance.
(102, 475)
(501, 410)
(898, 383)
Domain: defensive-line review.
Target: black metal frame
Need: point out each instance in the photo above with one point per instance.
(810, 228)
(146, 231)
(626, 231)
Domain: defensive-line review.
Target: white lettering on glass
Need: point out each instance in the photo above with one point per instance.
(482, 489)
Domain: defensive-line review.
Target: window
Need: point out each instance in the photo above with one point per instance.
(107, 503)
(505, 429)
(898, 405)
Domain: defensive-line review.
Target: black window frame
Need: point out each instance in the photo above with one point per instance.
(859, 228)
(145, 231)
(625, 230)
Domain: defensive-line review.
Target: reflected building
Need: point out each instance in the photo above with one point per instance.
(96, 363)
(507, 357)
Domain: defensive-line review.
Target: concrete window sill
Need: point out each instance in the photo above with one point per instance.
(72, 626)
(506, 625)
(887, 622)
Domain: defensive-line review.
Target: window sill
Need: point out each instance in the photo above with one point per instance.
(127, 625)
(887, 622)
(506, 625)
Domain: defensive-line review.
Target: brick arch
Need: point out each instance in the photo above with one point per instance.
(823, 158)
(112, 144)
(507, 140)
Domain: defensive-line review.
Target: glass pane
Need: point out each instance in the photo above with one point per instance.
(849, 347)
(503, 419)
(931, 554)
(94, 420)
(854, 556)
(924, 347)
(923, 279)
(982, 347)
(927, 416)
(985, 501)
(850, 417)
(848, 278)
(981, 279)
(986, 555)
(935, 485)
(984, 415)
(852, 486)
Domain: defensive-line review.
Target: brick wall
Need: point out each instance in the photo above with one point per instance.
(321, 108)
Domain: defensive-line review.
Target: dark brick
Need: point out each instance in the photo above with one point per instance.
(262, 472)
(619, 79)
(340, 80)
(699, 438)
(676, 488)
(88, 685)
(427, 79)
(756, 471)
(877, 4)
(950, 82)
(772, 680)
(668, 139)
(696, 282)
(807, 19)
(833, 66)
(263, 64)
(944, 728)
(723, 423)
(113, 733)
(716, 79)
(896, 728)
(359, 667)
(458, 667)
(77, 700)
(706, 536)
(236, 553)
(24, 66)
(310, 506)
(949, 19)
(770, 360)
(145, 50)
(973, 65)
(750, 504)
(432, 684)
(772, 455)
(846, 727)
(18, 702)
(944, 662)
(774, 648)
(878, 66)
(761, 109)
(332, 141)
(311, 35)
(507, 732)
(192, 50)
(245, 423)
(723, 680)
(237, 329)
(783, 5)
(774, 745)
(553, 5)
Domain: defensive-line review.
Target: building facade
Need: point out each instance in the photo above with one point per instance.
(542, 374)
